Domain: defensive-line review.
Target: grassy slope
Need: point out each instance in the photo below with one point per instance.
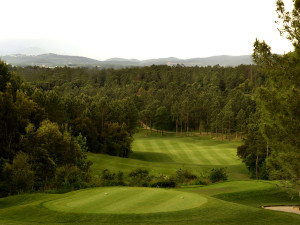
(124, 200)
(243, 207)
(169, 153)
(234, 202)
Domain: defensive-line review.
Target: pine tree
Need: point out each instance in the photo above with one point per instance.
(280, 100)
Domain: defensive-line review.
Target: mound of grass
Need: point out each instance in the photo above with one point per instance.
(125, 200)
(29, 209)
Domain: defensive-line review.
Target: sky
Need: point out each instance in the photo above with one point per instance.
(142, 29)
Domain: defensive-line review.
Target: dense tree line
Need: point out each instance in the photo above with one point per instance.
(105, 107)
(184, 99)
(35, 153)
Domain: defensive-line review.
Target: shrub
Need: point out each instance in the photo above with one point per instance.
(109, 178)
(202, 181)
(68, 177)
(184, 176)
(18, 176)
(139, 177)
(218, 174)
(162, 182)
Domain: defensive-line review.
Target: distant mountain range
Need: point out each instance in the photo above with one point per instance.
(32, 57)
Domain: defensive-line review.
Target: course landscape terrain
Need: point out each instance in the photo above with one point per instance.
(164, 155)
(231, 202)
(220, 144)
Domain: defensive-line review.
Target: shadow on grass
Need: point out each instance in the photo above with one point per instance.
(258, 198)
(151, 156)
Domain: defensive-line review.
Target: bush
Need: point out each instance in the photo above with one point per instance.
(202, 181)
(218, 174)
(68, 177)
(109, 178)
(140, 177)
(18, 176)
(162, 182)
(184, 176)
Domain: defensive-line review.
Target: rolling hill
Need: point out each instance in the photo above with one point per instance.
(53, 60)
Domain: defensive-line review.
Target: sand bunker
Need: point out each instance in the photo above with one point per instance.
(283, 208)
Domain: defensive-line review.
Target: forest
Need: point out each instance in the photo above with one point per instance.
(100, 110)
(51, 117)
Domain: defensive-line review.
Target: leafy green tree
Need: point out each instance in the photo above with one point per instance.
(254, 150)
(228, 118)
(49, 148)
(87, 128)
(145, 116)
(279, 101)
(5, 76)
(176, 114)
(162, 119)
(15, 114)
(18, 176)
(241, 120)
(116, 140)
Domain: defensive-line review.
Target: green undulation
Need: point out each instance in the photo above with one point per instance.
(165, 155)
(126, 200)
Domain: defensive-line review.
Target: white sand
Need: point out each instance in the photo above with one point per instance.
(292, 209)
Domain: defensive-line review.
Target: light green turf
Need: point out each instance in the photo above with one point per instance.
(165, 155)
(192, 150)
(124, 200)
(229, 203)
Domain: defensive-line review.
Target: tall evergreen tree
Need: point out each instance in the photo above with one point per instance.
(280, 100)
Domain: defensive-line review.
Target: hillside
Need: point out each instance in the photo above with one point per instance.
(53, 60)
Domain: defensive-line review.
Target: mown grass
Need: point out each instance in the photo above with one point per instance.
(125, 200)
(228, 203)
(30, 208)
(165, 155)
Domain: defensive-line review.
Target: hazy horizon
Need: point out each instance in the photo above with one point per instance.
(141, 29)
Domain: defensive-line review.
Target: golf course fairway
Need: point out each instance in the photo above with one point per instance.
(125, 200)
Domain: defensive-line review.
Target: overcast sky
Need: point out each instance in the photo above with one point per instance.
(144, 29)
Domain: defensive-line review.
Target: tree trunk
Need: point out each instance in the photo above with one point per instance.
(222, 130)
(229, 130)
(299, 191)
(268, 150)
(176, 126)
(181, 127)
(187, 124)
(207, 123)
(200, 123)
(216, 126)
(256, 166)
(102, 120)
(241, 132)
(146, 130)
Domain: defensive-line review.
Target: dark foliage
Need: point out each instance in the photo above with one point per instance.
(218, 174)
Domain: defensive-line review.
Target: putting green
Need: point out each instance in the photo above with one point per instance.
(125, 200)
